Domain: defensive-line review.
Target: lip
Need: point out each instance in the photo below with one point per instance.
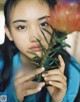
(35, 48)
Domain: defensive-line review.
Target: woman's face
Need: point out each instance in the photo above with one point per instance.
(26, 20)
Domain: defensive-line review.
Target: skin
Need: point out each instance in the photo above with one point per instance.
(34, 14)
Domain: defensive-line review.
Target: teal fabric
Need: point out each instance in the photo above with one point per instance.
(72, 89)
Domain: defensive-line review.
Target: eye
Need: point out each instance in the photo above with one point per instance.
(21, 27)
(44, 24)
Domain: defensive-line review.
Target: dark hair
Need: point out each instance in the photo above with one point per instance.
(8, 49)
(10, 3)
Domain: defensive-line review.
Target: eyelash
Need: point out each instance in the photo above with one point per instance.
(23, 28)
(20, 27)
(44, 24)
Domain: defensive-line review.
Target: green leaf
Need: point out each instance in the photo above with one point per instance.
(49, 56)
(33, 53)
(64, 44)
(45, 37)
(53, 53)
(37, 64)
(41, 45)
(47, 32)
(61, 39)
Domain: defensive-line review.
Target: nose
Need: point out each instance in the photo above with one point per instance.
(34, 32)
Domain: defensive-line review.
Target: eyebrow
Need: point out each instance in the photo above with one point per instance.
(43, 17)
(20, 20)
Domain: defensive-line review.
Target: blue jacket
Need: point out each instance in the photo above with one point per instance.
(72, 89)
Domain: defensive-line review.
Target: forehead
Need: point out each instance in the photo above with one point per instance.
(32, 9)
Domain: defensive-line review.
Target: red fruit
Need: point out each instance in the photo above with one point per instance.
(65, 17)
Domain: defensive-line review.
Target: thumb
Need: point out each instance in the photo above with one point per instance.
(62, 64)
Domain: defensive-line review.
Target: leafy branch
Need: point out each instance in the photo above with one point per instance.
(49, 60)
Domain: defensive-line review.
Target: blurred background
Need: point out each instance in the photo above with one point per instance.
(1, 21)
(73, 39)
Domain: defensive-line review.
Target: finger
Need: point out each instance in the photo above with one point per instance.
(62, 64)
(27, 92)
(58, 85)
(23, 72)
(34, 88)
(52, 72)
(29, 75)
(38, 71)
(32, 85)
(26, 86)
(58, 78)
(31, 91)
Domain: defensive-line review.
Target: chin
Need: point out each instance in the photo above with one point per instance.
(32, 56)
(39, 53)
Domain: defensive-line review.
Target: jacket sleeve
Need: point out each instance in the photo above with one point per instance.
(1, 63)
(9, 93)
(73, 81)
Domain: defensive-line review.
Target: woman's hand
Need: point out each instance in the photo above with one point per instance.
(57, 80)
(24, 85)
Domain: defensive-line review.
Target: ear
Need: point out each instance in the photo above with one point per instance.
(8, 34)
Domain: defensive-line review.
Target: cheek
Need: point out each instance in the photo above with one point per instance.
(21, 41)
(48, 36)
(20, 44)
(31, 56)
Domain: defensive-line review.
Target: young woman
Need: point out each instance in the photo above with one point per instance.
(23, 21)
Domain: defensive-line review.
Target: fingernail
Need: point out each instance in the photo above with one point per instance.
(43, 68)
(39, 88)
(50, 82)
(43, 84)
(43, 75)
(60, 56)
(45, 78)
